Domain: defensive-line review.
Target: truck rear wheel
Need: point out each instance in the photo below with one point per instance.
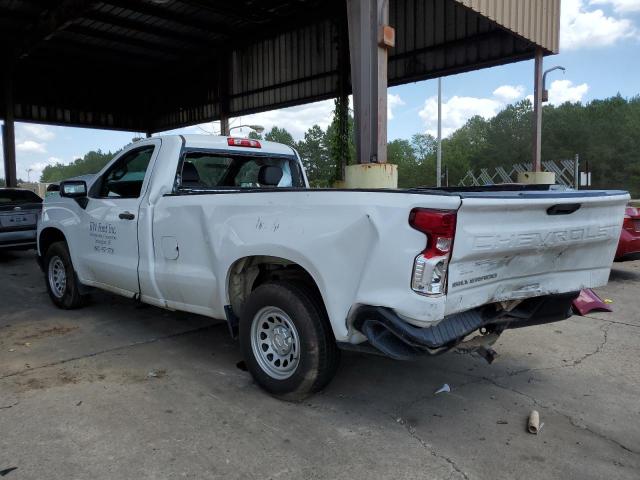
(61, 279)
(287, 341)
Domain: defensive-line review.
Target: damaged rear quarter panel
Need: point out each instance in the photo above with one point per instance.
(357, 245)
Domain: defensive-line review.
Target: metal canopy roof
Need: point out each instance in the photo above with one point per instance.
(146, 65)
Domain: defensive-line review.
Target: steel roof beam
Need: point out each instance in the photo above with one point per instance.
(50, 22)
(144, 27)
(171, 16)
(125, 41)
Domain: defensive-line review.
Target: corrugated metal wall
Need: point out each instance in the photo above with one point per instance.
(433, 38)
(301, 64)
(297, 65)
(536, 20)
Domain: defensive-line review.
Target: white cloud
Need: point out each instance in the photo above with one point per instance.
(562, 91)
(30, 146)
(457, 110)
(38, 132)
(621, 6)
(39, 166)
(393, 100)
(582, 27)
(509, 93)
(296, 120)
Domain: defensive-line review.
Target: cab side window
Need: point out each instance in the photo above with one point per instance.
(125, 177)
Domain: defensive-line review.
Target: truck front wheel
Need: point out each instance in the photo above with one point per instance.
(62, 283)
(287, 341)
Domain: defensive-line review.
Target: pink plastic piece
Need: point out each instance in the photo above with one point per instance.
(588, 301)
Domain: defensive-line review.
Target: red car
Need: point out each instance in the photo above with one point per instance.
(629, 244)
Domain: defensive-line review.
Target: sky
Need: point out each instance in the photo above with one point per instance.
(599, 47)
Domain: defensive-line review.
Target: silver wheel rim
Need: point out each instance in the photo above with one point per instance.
(57, 276)
(275, 343)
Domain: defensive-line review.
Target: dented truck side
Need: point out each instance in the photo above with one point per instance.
(403, 272)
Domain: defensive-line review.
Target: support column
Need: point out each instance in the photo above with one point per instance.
(368, 76)
(224, 70)
(224, 124)
(8, 133)
(537, 112)
(342, 152)
(536, 175)
(369, 38)
(439, 151)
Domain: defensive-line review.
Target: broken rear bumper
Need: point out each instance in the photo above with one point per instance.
(394, 337)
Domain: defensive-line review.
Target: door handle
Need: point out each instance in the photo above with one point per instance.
(127, 216)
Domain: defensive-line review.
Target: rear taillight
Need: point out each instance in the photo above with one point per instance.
(430, 266)
(243, 142)
(628, 224)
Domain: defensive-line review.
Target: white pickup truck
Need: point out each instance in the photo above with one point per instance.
(228, 228)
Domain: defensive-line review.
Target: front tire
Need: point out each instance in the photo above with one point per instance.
(286, 341)
(60, 277)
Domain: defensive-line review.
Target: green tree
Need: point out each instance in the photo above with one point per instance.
(319, 165)
(401, 153)
(464, 148)
(92, 162)
(340, 138)
(424, 148)
(280, 135)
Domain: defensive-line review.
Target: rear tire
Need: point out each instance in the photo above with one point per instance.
(287, 341)
(60, 277)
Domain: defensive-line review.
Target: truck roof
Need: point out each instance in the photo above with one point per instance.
(220, 143)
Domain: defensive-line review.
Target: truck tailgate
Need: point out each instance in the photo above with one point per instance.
(516, 245)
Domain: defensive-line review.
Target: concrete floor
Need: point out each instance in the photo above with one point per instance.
(118, 390)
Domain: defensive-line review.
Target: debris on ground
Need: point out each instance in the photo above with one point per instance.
(608, 300)
(444, 389)
(7, 470)
(588, 301)
(502, 422)
(156, 373)
(533, 423)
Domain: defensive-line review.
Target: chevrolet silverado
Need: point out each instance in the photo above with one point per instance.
(229, 228)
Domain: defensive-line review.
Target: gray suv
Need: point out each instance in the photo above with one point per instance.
(19, 213)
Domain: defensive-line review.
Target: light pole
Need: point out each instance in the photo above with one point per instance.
(545, 92)
(256, 128)
(29, 170)
(439, 151)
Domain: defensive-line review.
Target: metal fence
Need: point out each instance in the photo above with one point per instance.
(564, 170)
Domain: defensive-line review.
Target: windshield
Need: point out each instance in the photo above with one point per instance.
(18, 196)
(205, 170)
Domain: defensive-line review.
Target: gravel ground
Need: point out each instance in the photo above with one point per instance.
(121, 390)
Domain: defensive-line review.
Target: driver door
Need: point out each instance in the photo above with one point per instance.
(111, 254)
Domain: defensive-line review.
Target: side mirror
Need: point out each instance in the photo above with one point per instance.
(73, 189)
